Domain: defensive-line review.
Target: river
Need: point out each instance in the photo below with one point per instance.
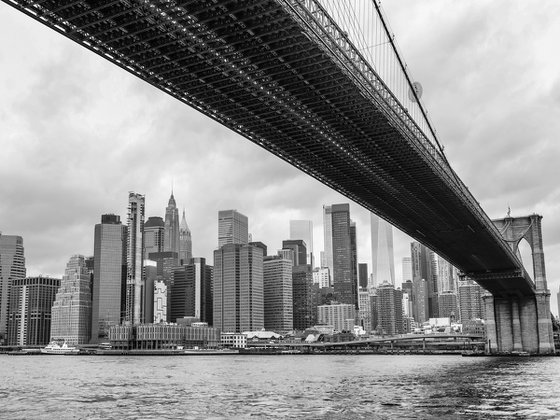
(283, 386)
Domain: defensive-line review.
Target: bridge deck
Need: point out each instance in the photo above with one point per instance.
(257, 68)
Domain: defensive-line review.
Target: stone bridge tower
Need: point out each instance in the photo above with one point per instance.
(521, 323)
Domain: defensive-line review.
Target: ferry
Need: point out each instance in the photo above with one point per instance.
(54, 348)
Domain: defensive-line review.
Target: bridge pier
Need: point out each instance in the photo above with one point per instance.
(519, 324)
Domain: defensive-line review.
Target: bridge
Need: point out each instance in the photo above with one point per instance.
(294, 77)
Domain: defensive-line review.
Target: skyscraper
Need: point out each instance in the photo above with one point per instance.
(135, 258)
(406, 269)
(233, 228)
(153, 235)
(185, 242)
(344, 266)
(383, 264)
(389, 309)
(12, 267)
(171, 228)
(278, 294)
(303, 229)
(300, 250)
(327, 255)
(304, 301)
(31, 300)
(109, 276)
(191, 293)
(238, 288)
(424, 299)
(362, 275)
(71, 310)
(471, 305)
(447, 304)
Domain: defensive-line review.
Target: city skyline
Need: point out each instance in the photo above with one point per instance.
(68, 196)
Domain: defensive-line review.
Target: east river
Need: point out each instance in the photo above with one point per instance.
(283, 386)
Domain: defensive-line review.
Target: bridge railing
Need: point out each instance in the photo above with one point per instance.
(366, 51)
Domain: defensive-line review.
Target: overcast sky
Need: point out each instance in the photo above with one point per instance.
(77, 133)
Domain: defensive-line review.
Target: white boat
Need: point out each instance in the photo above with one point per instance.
(54, 348)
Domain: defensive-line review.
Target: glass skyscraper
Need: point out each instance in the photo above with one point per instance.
(135, 258)
(109, 276)
(233, 228)
(303, 229)
(383, 264)
(12, 267)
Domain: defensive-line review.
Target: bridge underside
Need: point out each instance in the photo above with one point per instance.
(253, 66)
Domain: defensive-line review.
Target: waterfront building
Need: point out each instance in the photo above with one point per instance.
(71, 309)
(363, 275)
(233, 228)
(12, 267)
(154, 229)
(342, 256)
(31, 301)
(364, 304)
(389, 309)
(185, 242)
(238, 288)
(163, 336)
(340, 315)
(471, 305)
(321, 277)
(299, 249)
(234, 340)
(278, 294)
(383, 264)
(160, 301)
(447, 303)
(303, 229)
(191, 292)
(304, 298)
(109, 276)
(150, 279)
(171, 227)
(135, 257)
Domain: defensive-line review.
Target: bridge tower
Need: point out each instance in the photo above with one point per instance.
(521, 323)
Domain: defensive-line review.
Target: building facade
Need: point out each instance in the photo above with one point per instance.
(31, 301)
(383, 263)
(448, 307)
(389, 310)
(304, 297)
(341, 316)
(238, 288)
(71, 310)
(191, 292)
(135, 257)
(109, 276)
(303, 229)
(278, 294)
(321, 277)
(12, 267)
(471, 305)
(233, 228)
(154, 234)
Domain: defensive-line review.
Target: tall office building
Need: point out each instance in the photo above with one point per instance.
(12, 267)
(406, 269)
(344, 264)
(321, 277)
(233, 228)
(304, 298)
(185, 242)
(171, 228)
(238, 288)
(135, 258)
(160, 301)
(299, 249)
(154, 229)
(471, 305)
(71, 310)
(389, 309)
(278, 294)
(109, 276)
(383, 264)
(424, 299)
(364, 303)
(445, 276)
(191, 291)
(447, 304)
(31, 301)
(150, 280)
(327, 254)
(363, 275)
(303, 229)
(341, 316)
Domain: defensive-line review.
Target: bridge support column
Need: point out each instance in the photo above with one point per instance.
(546, 340)
(516, 326)
(491, 335)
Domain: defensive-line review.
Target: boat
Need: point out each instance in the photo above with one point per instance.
(55, 348)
